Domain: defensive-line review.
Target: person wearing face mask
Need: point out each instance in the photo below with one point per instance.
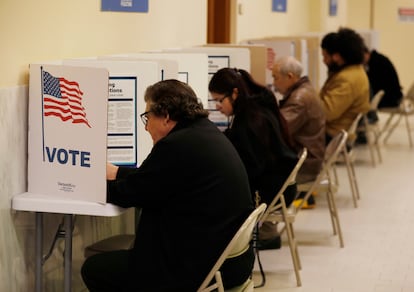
(194, 194)
(345, 93)
(259, 133)
(302, 109)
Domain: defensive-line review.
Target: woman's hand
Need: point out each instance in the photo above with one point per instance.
(111, 171)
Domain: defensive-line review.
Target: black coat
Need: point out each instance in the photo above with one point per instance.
(382, 75)
(256, 134)
(194, 194)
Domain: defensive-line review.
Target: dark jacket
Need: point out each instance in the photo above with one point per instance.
(302, 109)
(194, 194)
(382, 75)
(256, 134)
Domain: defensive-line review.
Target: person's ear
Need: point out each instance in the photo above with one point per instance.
(337, 58)
(166, 119)
(235, 93)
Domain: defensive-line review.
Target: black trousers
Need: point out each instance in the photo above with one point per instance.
(107, 272)
(113, 272)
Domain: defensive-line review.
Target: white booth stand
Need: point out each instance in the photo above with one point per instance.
(71, 118)
(219, 57)
(190, 65)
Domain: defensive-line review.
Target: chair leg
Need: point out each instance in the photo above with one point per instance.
(331, 212)
(370, 140)
(292, 244)
(376, 144)
(391, 128)
(296, 246)
(219, 281)
(371, 151)
(352, 178)
(335, 217)
(386, 125)
(407, 123)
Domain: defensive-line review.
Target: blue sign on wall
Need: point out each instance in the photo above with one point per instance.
(333, 7)
(125, 5)
(279, 5)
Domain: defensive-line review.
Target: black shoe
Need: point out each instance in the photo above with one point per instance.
(361, 139)
(273, 243)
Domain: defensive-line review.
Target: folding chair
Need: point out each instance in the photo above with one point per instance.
(278, 212)
(372, 130)
(238, 245)
(405, 110)
(325, 182)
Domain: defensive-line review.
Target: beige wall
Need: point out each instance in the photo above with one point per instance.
(257, 19)
(33, 31)
(305, 16)
(396, 38)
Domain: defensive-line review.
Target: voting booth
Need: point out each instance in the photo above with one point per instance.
(304, 48)
(67, 132)
(219, 57)
(188, 70)
(82, 114)
(128, 142)
(259, 59)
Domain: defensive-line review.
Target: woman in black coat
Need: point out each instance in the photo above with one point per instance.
(258, 131)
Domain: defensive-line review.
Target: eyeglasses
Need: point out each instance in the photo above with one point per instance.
(144, 117)
(220, 100)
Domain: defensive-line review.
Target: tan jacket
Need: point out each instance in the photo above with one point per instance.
(303, 112)
(344, 95)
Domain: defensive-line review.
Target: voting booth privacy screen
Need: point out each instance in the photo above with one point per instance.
(67, 139)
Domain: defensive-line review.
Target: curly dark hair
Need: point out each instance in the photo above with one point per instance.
(175, 98)
(347, 43)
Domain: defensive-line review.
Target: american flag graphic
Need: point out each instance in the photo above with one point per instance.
(63, 98)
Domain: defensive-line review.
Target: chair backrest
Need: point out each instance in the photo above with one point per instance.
(376, 100)
(410, 93)
(352, 131)
(238, 244)
(276, 202)
(333, 149)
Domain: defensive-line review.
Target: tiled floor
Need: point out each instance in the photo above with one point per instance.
(379, 235)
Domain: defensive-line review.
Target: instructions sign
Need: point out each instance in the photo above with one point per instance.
(122, 122)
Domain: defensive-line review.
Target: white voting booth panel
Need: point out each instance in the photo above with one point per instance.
(280, 48)
(128, 80)
(167, 69)
(190, 68)
(219, 57)
(67, 132)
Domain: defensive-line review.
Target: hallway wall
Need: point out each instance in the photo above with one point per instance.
(34, 31)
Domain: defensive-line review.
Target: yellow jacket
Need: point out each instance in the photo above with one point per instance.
(344, 95)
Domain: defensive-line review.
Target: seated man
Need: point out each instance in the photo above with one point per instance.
(302, 109)
(383, 75)
(345, 93)
(194, 194)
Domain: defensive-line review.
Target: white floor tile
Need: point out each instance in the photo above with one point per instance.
(378, 255)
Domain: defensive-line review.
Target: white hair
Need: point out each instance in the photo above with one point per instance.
(289, 64)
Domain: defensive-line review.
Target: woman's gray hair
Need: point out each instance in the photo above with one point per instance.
(289, 64)
(174, 98)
